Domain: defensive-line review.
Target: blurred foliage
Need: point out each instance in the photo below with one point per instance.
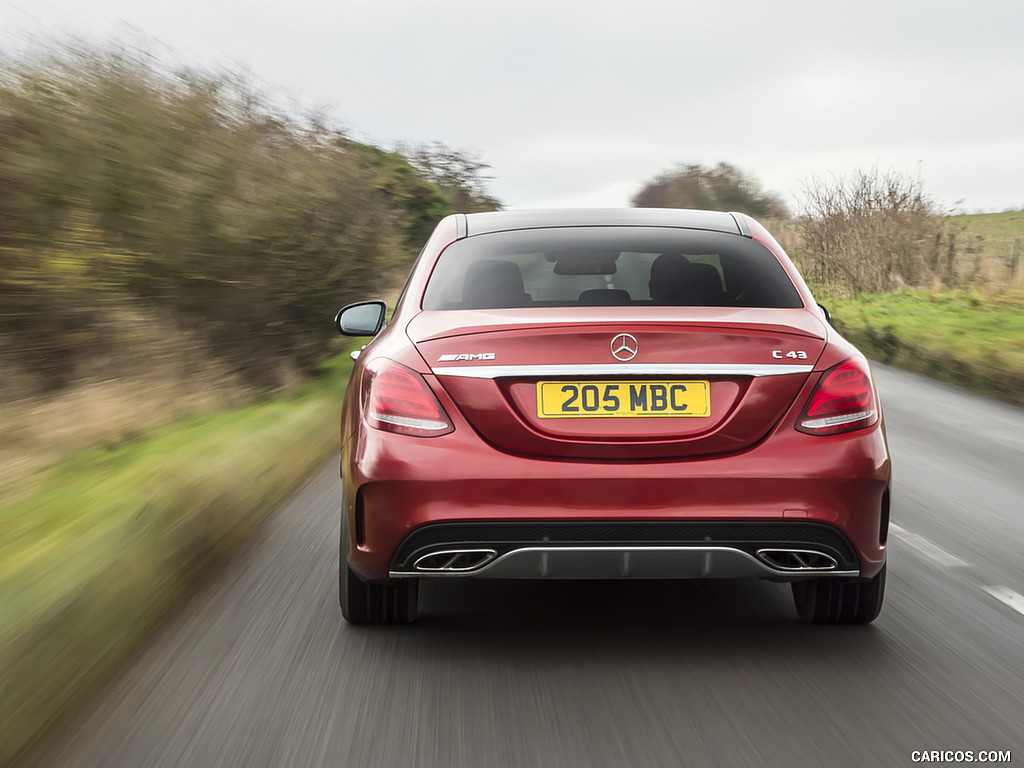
(721, 188)
(115, 539)
(123, 180)
(458, 174)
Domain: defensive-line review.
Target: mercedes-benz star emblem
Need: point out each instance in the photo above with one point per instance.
(624, 347)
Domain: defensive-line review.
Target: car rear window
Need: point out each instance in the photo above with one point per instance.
(608, 266)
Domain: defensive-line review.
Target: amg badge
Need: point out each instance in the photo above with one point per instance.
(454, 358)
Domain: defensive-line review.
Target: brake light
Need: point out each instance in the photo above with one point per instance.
(843, 401)
(398, 400)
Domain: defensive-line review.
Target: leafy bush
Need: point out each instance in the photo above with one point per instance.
(458, 174)
(124, 181)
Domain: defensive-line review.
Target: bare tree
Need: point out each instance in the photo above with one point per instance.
(871, 233)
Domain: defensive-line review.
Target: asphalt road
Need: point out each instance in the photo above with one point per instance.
(260, 670)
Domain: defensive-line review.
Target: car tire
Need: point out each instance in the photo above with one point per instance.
(364, 602)
(839, 601)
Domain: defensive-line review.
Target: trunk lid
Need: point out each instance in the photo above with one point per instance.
(610, 383)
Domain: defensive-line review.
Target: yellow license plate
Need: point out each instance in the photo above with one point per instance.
(618, 399)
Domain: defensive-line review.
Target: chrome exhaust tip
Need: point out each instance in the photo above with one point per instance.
(797, 560)
(454, 560)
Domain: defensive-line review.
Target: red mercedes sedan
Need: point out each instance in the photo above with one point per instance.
(609, 394)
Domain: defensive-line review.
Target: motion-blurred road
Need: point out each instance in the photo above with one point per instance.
(261, 670)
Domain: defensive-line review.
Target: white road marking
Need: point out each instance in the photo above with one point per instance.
(937, 554)
(1008, 596)
(928, 549)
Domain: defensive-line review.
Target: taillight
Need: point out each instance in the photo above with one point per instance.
(397, 399)
(843, 401)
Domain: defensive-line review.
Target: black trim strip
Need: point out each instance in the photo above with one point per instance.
(741, 224)
(745, 536)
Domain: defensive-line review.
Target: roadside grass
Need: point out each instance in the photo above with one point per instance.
(965, 337)
(114, 539)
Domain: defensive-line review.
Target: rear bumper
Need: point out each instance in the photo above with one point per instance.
(397, 487)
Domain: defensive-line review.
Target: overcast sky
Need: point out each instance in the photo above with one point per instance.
(580, 103)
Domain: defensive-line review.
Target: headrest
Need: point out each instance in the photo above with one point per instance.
(493, 283)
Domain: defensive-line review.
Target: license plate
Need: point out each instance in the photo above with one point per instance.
(621, 399)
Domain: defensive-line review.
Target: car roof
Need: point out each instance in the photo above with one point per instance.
(503, 221)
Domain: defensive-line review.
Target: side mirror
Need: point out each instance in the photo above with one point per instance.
(363, 319)
(826, 313)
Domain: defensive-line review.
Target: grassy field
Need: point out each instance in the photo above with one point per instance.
(969, 338)
(115, 539)
(989, 247)
(997, 227)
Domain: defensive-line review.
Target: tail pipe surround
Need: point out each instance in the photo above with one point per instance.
(455, 560)
(798, 560)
